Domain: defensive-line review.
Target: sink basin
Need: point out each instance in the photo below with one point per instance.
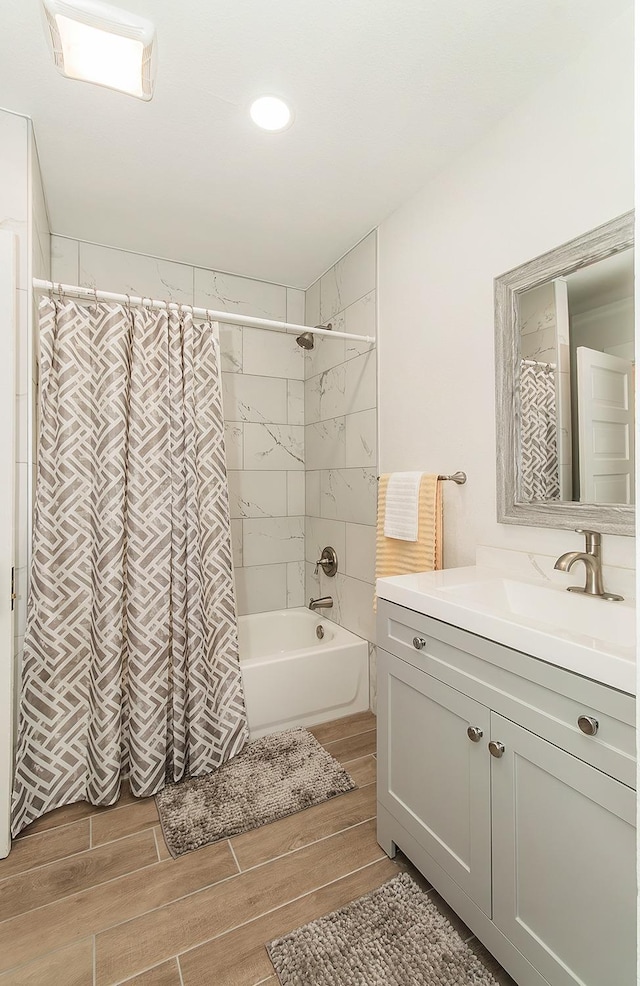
(564, 613)
(585, 634)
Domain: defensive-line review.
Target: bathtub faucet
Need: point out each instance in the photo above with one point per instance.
(324, 602)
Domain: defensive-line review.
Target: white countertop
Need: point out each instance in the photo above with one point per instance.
(584, 634)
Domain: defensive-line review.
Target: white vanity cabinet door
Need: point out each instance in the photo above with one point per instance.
(431, 776)
(564, 889)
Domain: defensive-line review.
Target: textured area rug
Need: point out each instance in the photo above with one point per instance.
(394, 936)
(272, 777)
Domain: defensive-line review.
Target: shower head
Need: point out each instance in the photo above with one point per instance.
(306, 340)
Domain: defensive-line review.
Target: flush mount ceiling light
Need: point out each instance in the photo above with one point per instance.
(271, 113)
(95, 42)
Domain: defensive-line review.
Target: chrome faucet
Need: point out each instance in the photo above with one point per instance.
(592, 559)
(323, 602)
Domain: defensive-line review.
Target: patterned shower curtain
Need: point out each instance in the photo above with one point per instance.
(540, 477)
(130, 654)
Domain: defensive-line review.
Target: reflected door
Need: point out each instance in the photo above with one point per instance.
(605, 426)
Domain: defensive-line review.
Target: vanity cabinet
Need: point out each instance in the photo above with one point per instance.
(524, 823)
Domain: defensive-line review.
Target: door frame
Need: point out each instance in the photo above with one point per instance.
(8, 320)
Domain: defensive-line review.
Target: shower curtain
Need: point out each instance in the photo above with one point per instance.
(130, 654)
(540, 477)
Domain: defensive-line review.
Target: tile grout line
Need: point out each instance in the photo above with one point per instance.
(233, 853)
(314, 842)
(46, 955)
(244, 924)
(72, 855)
(93, 886)
(350, 736)
(272, 910)
(54, 828)
(233, 876)
(365, 756)
(179, 970)
(155, 839)
(360, 731)
(100, 810)
(221, 935)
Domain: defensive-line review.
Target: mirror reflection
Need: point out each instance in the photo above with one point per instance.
(576, 385)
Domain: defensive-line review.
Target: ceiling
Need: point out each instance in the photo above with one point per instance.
(385, 92)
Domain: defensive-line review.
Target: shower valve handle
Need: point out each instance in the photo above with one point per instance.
(328, 560)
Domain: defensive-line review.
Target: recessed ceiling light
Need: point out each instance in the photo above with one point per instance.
(271, 113)
(95, 42)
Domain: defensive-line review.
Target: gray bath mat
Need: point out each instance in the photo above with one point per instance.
(393, 936)
(272, 777)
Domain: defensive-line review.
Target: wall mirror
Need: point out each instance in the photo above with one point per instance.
(565, 380)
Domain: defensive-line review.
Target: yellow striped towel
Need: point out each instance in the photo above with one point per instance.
(395, 557)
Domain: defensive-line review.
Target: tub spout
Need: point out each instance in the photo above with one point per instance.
(324, 602)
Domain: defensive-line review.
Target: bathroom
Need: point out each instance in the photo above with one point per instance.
(389, 219)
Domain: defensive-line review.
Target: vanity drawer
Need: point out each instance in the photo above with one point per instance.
(545, 699)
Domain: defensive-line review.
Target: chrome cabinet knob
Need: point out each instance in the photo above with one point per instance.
(588, 725)
(419, 643)
(474, 733)
(496, 749)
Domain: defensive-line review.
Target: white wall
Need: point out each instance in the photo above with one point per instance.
(559, 165)
(263, 402)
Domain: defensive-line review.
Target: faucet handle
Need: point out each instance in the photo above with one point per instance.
(593, 539)
(328, 561)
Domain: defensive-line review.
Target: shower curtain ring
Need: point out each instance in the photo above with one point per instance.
(60, 296)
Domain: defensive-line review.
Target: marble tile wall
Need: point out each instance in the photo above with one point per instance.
(263, 398)
(540, 565)
(340, 414)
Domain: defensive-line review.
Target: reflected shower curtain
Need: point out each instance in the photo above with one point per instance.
(131, 653)
(540, 477)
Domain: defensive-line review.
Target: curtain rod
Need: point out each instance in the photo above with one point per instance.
(76, 291)
(537, 362)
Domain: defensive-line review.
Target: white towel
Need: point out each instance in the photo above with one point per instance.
(401, 511)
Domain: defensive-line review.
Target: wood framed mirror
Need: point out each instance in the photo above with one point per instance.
(565, 385)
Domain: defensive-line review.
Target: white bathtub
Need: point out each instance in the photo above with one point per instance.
(291, 678)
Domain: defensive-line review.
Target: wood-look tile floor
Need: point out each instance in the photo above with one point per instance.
(91, 897)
